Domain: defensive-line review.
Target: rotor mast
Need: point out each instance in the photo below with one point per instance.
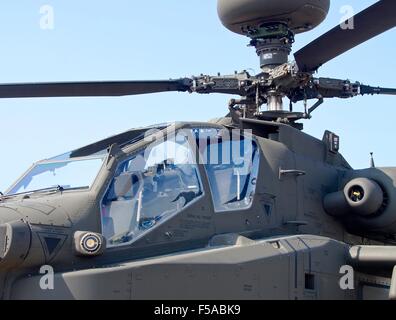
(271, 25)
(273, 43)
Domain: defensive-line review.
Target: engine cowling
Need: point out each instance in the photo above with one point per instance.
(360, 196)
(367, 201)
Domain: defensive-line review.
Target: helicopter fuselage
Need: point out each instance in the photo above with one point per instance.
(277, 241)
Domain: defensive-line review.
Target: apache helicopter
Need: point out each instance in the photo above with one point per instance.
(120, 219)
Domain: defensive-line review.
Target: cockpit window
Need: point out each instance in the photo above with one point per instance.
(231, 160)
(148, 188)
(63, 174)
(70, 156)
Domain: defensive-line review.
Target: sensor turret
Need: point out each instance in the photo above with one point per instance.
(242, 16)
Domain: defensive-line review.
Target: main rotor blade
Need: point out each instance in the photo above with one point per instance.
(369, 23)
(91, 89)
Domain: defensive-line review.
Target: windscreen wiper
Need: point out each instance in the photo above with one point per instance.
(49, 189)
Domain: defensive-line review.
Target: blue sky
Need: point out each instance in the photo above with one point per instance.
(153, 39)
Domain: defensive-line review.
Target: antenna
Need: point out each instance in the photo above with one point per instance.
(372, 162)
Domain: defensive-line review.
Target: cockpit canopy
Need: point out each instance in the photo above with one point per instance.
(156, 180)
(67, 174)
(76, 169)
(159, 181)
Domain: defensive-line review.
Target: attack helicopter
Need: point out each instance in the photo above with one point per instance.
(243, 207)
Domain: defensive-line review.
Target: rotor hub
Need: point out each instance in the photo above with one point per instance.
(273, 43)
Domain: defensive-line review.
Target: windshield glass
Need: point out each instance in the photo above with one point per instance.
(67, 174)
(151, 186)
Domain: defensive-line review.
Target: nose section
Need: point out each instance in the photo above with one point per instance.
(8, 214)
(15, 241)
(15, 238)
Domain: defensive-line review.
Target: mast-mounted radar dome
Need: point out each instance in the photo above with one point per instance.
(241, 16)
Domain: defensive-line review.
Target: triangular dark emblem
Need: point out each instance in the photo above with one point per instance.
(51, 244)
